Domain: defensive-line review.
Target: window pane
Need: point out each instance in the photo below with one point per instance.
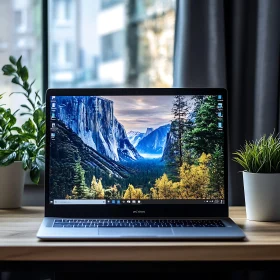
(111, 43)
(20, 34)
(112, 46)
(105, 4)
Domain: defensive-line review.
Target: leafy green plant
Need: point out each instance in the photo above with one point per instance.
(21, 78)
(10, 140)
(260, 156)
(25, 143)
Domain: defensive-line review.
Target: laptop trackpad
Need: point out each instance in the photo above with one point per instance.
(135, 232)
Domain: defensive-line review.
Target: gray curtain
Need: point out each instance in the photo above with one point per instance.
(233, 44)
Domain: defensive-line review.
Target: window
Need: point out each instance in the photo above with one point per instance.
(109, 3)
(111, 43)
(68, 53)
(18, 18)
(61, 10)
(112, 46)
(20, 34)
(55, 52)
(67, 4)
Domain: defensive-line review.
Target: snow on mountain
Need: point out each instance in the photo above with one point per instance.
(134, 137)
(154, 142)
(92, 119)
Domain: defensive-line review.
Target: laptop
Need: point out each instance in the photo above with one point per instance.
(137, 164)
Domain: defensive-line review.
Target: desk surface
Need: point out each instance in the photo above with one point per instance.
(18, 241)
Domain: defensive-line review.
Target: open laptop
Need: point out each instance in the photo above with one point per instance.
(137, 164)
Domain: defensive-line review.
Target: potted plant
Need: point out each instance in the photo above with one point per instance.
(261, 177)
(21, 148)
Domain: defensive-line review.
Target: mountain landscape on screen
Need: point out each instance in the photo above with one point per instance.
(92, 119)
(103, 149)
(153, 143)
(135, 137)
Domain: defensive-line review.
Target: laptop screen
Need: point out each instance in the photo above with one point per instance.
(136, 150)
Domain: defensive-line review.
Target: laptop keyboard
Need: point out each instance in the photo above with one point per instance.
(95, 223)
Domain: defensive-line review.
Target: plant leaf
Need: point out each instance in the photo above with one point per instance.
(26, 86)
(38, 96)
(4, 153)
(24, 74)
(41, 132)
(13, 60)
(29, 126)
(2, 144)
(31, 149)
(15, 80)
(8, 70)
(35, 173)
(38, 117)
(14, 113)
(8, 157)
(28, 136)
(42, 140)
(17, 129)
(19, 66)
(12, 121)
(24, 114)
(25, 160)
(26, 107)
(18, 92)
(32, 83)
(40, 161)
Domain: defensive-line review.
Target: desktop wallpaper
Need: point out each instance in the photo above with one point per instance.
(136, 147)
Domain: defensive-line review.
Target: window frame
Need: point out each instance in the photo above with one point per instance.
(45, 42)
(45, 49)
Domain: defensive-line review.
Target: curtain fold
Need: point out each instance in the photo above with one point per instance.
(233, 44)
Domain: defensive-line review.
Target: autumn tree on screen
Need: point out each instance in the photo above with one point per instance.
(96, 188)
(134, 193)
(195, 178)
(113, 192)
(163, 188)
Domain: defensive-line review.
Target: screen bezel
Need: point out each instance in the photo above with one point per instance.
(142, 210)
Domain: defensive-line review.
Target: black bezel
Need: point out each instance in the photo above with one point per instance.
(159, 210)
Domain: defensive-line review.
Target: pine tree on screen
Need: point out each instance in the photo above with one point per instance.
(178, 127)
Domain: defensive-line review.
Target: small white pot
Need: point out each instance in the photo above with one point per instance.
(262, 196)
(11, 185)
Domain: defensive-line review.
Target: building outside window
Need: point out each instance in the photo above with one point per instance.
(20, 34)
(114, 43)
(100, 43)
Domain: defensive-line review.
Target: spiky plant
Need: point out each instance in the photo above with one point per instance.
(260, 156)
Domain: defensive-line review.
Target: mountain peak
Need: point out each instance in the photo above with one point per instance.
(134, 137)
(133, 132)
(148, 131)
(154, 142)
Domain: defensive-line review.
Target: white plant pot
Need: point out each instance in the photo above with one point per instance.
(11, 185)
(262, 196)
